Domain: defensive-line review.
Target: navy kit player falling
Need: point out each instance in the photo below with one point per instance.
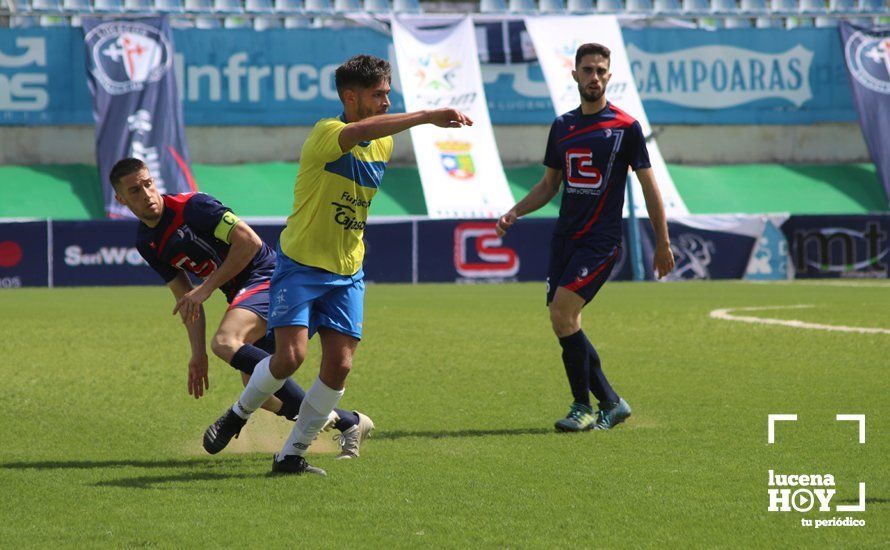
(589, 152)
(195, 233)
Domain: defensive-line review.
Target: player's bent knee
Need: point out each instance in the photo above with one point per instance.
(224, 347)
(284, 364)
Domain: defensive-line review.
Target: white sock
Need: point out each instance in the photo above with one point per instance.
(320, 400)
(259, 388)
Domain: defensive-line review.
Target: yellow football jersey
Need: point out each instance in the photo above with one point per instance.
(332, 196)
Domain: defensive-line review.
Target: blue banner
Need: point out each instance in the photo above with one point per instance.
(867, 53)
(839, 246)
(23, 254)
(285, 76)
(99, 253)
(136, 103)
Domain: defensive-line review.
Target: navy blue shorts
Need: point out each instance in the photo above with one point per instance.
(253, 298)
(582, 267)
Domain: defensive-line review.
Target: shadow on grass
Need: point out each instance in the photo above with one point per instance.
(91, 464)
(152, 482)
(402, 434)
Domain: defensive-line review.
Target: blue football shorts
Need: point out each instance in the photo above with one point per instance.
(311, 297)
(582, 267)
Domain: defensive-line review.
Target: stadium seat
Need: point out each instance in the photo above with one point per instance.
(23, 22)
(53, 21)
(347, 6)
(552, 6)
(138, 6)
(812, 6)
(259, 6)
(639, 6)
(842, 5)
(228, 6)
(77, 6)
(266, 23)
(738, 22)
(237, 22)
(378, 6)
(798, 22)
(199, 6)
(493, 6)
(724, 7)
(46, 6)
(523, 6)
(579, 6)
(289, 6)
(783, 7)
(169, 6)
(203, 22)
(406, 6)
(17, 6)
(609, 6)
(297, 22)
(108, 6)
(318, 7)
(872, 6)
(696, 7)
(666, 7)
(753, 7)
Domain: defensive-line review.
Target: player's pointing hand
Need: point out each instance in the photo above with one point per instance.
(449, 118)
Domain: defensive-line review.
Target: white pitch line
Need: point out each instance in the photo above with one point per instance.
(848, 284)
(726, 315)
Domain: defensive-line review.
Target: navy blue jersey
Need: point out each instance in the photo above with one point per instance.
(184, 241)
(594, 152)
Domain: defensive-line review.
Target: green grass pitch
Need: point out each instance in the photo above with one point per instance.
(100, 441)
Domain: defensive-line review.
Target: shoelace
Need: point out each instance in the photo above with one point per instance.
(601, 417)
(577, 413)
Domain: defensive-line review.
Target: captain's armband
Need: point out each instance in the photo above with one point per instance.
(225, 227)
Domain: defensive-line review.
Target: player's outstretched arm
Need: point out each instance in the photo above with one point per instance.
(197, 378)
(390, 124)
(663, 262)
(539, 195)
(244, 244)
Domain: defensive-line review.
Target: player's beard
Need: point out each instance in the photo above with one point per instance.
(590, 98)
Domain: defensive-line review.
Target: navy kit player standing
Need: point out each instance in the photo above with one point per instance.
(589, 152)
(195, 233)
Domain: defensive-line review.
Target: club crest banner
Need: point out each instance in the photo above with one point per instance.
(556, 39)
(136, 105)
(460, 168)
(867, 53)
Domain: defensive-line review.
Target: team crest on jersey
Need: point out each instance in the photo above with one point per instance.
(125, 56)
(868, 57)
(580, 171)
(457, 158)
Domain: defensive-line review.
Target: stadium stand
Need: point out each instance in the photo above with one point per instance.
(256, 13)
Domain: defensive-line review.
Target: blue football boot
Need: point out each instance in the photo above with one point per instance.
(610, 415)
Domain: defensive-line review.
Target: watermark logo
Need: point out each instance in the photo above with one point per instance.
(125, 56)
(868, 58)
(480, 240)
(812, 492)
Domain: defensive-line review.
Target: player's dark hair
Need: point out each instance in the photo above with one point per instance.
(592, 48)
(362, 71)
(123, 168)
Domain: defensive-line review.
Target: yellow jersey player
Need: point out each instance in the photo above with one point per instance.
(318, 284)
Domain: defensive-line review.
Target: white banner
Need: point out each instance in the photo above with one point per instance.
(556, 40)
(460, 168)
